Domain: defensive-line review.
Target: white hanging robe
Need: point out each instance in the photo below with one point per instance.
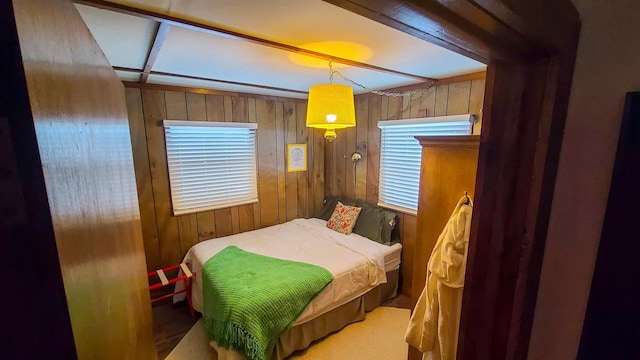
(433, 328)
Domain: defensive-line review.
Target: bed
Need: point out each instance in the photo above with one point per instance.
(365, 274)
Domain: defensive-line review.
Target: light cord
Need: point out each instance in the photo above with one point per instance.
(406, 107)
(378, 92)
(331, 71)
(410, 93)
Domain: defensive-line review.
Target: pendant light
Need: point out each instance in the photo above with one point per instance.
(330, 107)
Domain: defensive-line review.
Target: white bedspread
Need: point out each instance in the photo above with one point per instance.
(356, 262)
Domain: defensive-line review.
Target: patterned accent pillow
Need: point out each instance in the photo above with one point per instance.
(343, 218)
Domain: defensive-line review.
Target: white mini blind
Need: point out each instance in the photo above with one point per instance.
(400, 155)
(211, 164)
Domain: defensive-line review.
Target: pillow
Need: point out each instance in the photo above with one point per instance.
(390, 232)
(330, 205)
(369, 223)
(344, 218)
(376, 223)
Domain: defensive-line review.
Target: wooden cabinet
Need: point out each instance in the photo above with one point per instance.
(449, 165)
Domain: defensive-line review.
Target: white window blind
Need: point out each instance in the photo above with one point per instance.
(400, 155)
(211, 164)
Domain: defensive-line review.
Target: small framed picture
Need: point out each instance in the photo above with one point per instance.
(296, 157)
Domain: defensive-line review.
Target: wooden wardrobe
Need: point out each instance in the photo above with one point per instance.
(449, 165)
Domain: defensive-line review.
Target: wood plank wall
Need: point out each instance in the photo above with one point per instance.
(341, 179)
(283, 196)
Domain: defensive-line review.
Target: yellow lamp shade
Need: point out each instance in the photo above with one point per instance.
(330, 107)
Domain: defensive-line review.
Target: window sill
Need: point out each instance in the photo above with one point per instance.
(398, 209)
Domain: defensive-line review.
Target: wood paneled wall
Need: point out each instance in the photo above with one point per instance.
(342, 179)
(283, 196)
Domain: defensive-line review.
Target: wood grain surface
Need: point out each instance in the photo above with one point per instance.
(448, 169)
(282, 196)
(531, 51)
(80, 118)
(448, 99)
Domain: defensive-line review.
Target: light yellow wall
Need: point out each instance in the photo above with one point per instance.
(607, 67)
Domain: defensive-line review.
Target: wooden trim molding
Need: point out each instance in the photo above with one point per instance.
(444, 81)
(439, 25)
(158, 40)
(125, 69)
(163, 87)
(470, 141)
(530, 48)
(460, 78)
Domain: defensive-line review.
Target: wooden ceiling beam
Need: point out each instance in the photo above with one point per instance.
(158, 40)
(160, 73)
(443, 81)
(192, 25)
(446, 23)
(549, 23)
(198, 90)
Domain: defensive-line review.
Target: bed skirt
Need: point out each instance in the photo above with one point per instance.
(299, 337)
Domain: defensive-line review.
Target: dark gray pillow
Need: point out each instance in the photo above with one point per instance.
(376, 223)
(369, 223)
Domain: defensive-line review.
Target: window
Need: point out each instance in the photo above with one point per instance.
(400, 155)
(211, 164)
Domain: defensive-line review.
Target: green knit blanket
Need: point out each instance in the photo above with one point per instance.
(250, 299)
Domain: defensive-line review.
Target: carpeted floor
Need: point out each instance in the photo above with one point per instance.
(172, 322)
(379, 336)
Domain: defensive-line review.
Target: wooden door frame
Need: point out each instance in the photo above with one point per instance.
(530, 49)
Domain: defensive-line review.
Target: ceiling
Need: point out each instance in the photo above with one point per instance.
(260, 47)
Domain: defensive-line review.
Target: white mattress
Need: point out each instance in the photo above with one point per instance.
(392, 257)
(357, 263)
